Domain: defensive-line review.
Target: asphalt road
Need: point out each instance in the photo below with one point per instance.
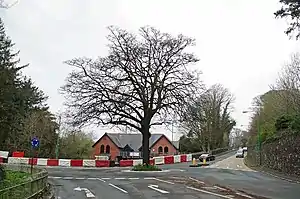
(125, 188)
(226, 172)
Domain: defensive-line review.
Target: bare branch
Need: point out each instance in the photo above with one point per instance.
(208, 118)
(288, 83)
(141, 78)
(5, 5)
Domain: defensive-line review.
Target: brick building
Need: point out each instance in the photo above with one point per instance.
(130, 146)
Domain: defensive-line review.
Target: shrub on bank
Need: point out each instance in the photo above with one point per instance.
(145, 167)
(12, 178)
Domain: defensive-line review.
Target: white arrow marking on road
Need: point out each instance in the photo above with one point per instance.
(155, 187)
(88, 193)
(77, 189)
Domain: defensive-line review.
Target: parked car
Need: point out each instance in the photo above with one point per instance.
(207, 156)
(239, 153)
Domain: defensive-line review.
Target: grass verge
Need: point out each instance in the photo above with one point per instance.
(12, 178)
(141, 167)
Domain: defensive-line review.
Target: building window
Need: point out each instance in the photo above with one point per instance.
(166, 149)
(102, 148)
(160, 149)
(107, 149)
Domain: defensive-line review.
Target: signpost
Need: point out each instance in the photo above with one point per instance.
(35, 143)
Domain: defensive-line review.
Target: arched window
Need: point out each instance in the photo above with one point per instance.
(102, 148)
(160, 149)
(107, 149)
(166, 149)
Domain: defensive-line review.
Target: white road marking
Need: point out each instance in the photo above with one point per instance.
(223, 189)
(54, 177)
(92, 178)
(79, 178)
(208, 192)
(181, 170)
(231, 196)
(155, 187)
(163, 181)
(209, 187)
(101, 179)
(68, 178)
(88, 193)
(117, 188)
(199, 181)
(244, 195)
(133, 178)
(119, 178)
(149, 178)
(105, 178)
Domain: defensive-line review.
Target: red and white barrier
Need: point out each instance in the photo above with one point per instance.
(169, 160)
(189, 157)
(152, 161)
(52, 162)
(76, 163)
(89, 163)
(98, 163)
(137, 162)
(64, 162)
(176, 158)
(126, 163)
(42, 161)
(159, 160)
(183, 158)
(102, 163)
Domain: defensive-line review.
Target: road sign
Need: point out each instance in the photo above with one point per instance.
(35, 143)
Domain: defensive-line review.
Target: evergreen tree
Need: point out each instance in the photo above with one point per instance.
(18, 95)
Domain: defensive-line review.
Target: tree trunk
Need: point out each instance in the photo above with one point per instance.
(145, 146)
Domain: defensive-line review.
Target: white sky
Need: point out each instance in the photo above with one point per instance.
(239, 42)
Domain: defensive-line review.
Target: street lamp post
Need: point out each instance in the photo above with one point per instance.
(258, 136)
(57, 141)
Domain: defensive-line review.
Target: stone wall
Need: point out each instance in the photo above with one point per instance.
(281, 155)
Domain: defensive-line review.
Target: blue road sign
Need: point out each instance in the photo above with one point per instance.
(35, 142)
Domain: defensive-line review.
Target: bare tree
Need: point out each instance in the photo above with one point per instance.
(238, 137)
(209, 120)
(139, 80)
(4, 4)
(288, 83)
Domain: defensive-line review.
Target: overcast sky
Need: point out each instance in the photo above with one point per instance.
(239, 42)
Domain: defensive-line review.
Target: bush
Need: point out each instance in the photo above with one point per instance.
(289, 122)
(13, 178)
(283, 122)
(148, 167)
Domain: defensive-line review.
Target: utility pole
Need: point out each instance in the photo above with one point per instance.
(57, 141)
(259, 139)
